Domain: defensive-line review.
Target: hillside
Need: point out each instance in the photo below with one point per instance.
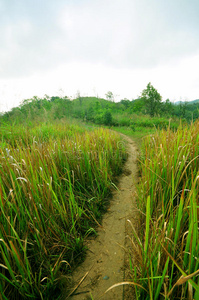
(148, 111)
(58, 168)
(187, 102)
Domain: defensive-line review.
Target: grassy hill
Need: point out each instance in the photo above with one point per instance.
(57, 169)
(129, 117)
(187, 102)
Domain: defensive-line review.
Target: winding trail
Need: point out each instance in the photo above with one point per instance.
(107, 254)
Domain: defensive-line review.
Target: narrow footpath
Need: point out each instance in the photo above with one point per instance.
(107, 256)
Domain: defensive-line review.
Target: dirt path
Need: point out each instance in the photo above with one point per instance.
(105, 260)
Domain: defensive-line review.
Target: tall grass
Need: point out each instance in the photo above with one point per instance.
(168, 254)
(53, 182)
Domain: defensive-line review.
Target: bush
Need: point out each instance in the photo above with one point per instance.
(108, 118)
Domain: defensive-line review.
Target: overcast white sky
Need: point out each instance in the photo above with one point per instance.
(59, 47)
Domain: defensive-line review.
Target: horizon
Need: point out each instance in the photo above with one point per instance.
(87, 96)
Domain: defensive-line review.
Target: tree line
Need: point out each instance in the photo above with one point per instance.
(101, 111)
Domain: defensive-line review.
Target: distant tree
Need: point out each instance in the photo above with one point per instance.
(108, 118)
(167, 108)
(126, 103)
(109, 96)
(47, 97)
(138, 105)
(183, 108)
(152, 100)
(90, 113)
(97, 105)
(79, 97)
(54, 99)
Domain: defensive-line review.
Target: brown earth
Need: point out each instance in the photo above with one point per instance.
(107, 257)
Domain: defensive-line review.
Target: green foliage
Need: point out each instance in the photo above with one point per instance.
(109, 96)
(135, 113)
(169, 197)
(126, 103)
(138, 106)
(53, 182)
(54, 177)
(152, 100)
(108, 118)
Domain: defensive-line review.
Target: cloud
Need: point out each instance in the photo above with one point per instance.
(122, 33)
(98, 45)
(27, 30)
(128, 33)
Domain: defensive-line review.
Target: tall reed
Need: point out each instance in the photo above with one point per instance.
(53, 183)
(168, 254)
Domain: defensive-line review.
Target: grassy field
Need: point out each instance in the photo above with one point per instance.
(54, 182)
(136, 135)
(55, 179)
(167, 245)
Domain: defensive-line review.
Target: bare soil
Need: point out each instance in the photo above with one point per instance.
(107, 258)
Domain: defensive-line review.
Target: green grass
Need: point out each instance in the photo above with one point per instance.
(137, 135)
(169, 199)
(54, 179)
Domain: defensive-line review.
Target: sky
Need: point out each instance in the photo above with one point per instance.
(65, 47)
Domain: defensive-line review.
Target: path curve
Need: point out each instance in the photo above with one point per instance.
(105, 260)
